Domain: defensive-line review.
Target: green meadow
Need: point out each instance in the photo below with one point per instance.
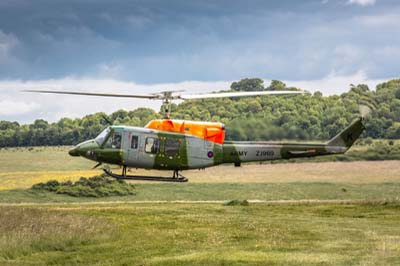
(309, 213)
(200, 234)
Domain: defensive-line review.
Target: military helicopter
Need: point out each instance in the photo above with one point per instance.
(170, 144)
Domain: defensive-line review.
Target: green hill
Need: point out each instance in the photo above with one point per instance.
(308, 116)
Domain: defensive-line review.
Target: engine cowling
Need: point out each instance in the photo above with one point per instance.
(211, 131)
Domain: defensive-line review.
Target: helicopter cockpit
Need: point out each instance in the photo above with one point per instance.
(109, 138)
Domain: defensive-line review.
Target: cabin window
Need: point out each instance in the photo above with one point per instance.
(152, 145)
(134, 142)
(171, 147)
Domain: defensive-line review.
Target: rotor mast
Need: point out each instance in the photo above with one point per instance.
(167, 97)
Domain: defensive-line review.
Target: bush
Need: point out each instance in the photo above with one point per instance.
(51, 185)
(368, 141)
(97, 186)
(237, 203)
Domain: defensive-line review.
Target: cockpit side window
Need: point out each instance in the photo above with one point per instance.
(152, 145)
(114, 140)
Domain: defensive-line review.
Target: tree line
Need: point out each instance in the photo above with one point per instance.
(304, 117)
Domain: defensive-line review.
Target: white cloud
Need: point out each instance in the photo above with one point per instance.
(388, 51)
(379, 20)
(335, 84)
(361, 2)
(26, 107)
(8, 107)
(54, 107)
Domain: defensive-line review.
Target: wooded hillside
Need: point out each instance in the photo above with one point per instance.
(308, 116)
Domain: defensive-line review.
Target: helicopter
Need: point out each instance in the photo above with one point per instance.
(177, 145)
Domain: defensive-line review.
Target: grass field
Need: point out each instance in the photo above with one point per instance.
(313, 213)
(23, 167)
(200, 234)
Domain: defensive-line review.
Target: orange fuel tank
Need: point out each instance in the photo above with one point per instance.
(211, 131)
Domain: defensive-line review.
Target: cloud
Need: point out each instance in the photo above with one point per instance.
(109, 70)
(172, 41)
(26, 107)
(7, 43)
(336, 84)
(361, 2)
(138, 22)
(379, 20)
(14, 108)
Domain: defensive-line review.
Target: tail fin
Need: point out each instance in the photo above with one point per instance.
(349, 135)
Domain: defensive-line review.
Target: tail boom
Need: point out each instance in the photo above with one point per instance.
(242, 151)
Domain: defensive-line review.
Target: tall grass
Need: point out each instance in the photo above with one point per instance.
(204, 234)
(24, 231)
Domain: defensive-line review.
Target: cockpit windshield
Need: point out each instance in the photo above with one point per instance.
(102, 136)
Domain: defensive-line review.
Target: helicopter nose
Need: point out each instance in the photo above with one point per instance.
(83, 148)
(74, 151)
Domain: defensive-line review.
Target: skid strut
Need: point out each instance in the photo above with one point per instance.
(175, 178)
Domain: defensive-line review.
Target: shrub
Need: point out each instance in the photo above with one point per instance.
(237, 203)
(97, 186)
(368, 141)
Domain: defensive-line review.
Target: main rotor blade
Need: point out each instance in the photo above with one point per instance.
(167, 95)
(99, 94)
(236, 94)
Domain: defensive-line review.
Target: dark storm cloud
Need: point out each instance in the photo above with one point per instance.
(171, 41)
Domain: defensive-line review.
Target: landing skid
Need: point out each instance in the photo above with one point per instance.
(176, 178)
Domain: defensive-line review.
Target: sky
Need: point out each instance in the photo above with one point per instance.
(198, 46)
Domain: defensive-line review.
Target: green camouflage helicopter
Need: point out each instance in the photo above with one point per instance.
(169, 144)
